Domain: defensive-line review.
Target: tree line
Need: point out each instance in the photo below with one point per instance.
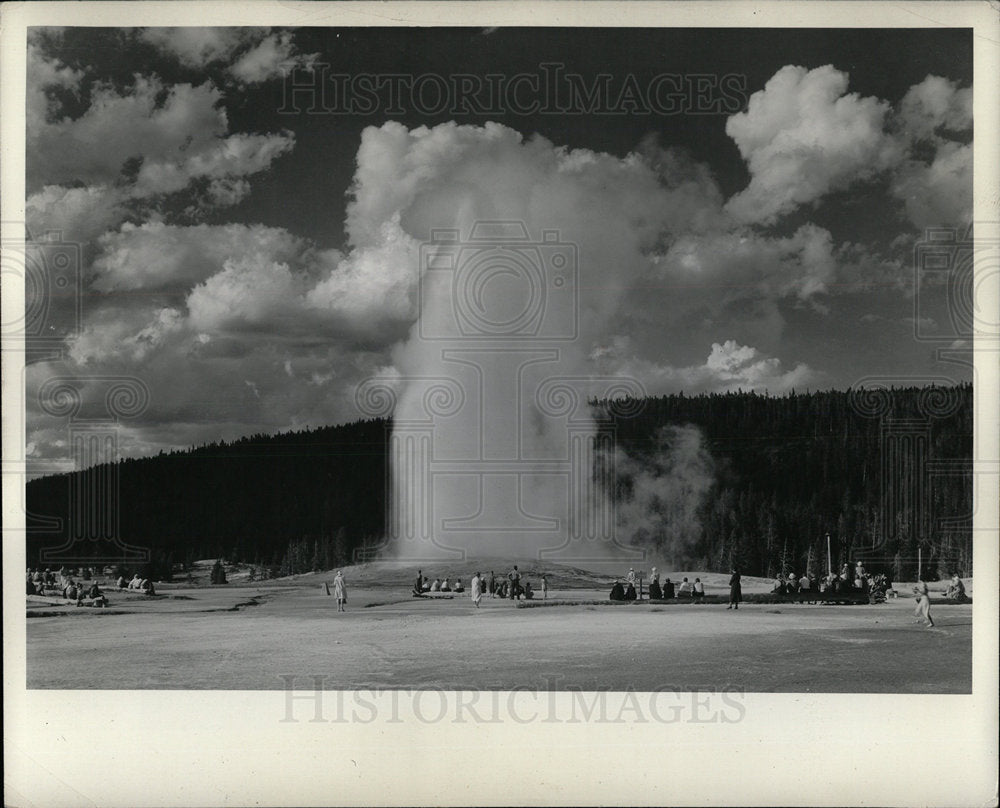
(788, 470)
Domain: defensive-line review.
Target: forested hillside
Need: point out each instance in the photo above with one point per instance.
(883, 472)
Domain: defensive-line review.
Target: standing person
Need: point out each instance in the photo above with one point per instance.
(493, 585)
(545, 587)
(477, 589)
(340, 591)
(515, 582)
(735, 590)
(418, 587)
(923, 607)
(630, 578)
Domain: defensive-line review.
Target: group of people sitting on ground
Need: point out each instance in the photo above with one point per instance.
(876, 586)
(137, 583)
(657, 591)
(423, 585)
(511, 587)
(84, 593)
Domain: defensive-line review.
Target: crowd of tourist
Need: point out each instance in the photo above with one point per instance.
(79, 584)
(857, 581)
(76, 585)
(512, 586)
(657, 590)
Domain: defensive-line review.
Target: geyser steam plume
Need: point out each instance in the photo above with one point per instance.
(521, 254)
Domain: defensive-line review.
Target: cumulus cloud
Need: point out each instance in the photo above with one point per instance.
(198, 47)
(247, 294)
(272, 57)
(80, 214)
(740, 263)
(804, 136)
(235, 156)
(280, 328)
(156, 256)
(167, 136)
(938, 194)
(730, 366)
(254, 55)
(934, 106)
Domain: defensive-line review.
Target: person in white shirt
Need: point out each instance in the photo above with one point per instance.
(477, 589)
(340, 591)
(923, 607)
(684, 588)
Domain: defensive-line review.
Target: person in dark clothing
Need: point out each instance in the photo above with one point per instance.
(618, 591)
(630, 591)
(668, 589)
(655, 592)
(735, 590)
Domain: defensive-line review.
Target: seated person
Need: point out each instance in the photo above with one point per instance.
(458, 586)
(136, 582)
(618, 591)
(956, 589)
(655, 592)
(699, 588)
(779, 586)
(436, 586)
(418, 585)
(668, 589)
(529, 593)
(71, 592)
(146, 586)
(121, 582)
(93, 594)
(805, 584)
(446, 587)
(31, 587)
(630, 591)
(684, 589)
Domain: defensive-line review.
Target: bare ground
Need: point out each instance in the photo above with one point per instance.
(253, 636)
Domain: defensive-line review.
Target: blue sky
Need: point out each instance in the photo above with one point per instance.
(252, 257)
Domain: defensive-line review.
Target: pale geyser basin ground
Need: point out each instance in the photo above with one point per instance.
(247, 636)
